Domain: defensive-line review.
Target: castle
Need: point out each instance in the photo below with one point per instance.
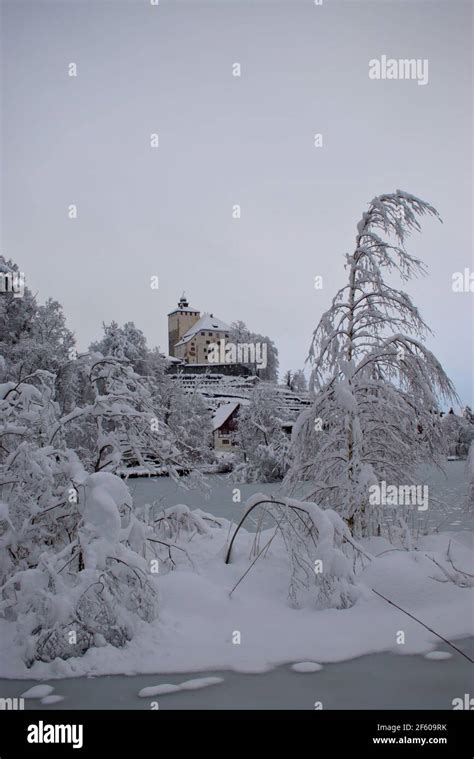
(224, 386)
(190, 334)
(190, 337)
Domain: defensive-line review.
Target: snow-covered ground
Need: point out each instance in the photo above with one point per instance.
(198, 620)
(200, 627)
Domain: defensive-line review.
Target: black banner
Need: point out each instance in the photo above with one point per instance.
(384, 733)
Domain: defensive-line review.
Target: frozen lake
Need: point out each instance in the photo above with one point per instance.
(378, 681)
(219, 498)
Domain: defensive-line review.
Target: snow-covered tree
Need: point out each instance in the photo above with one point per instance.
(51, 342)
(298, 382)
(377, 386)
(458, 432)
(183, 419)
(189, 419)
(260, 438)
(32, 336)
(239, 333)
(35, 337)
(76, 557)
(17, 315)
(468, 415)
(119, 423)
(34, 476)
(69, 575)
(470, 476)
(319, 548)
(127, 343)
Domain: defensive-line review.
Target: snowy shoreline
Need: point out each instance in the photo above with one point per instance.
(198, 620)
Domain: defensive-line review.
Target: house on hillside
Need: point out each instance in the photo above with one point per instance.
(224, 425)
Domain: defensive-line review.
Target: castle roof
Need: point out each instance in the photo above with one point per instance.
(184, 311)
(206, 322)
(183, 306)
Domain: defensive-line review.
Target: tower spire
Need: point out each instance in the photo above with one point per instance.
(183, 303)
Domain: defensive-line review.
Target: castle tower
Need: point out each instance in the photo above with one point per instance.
(179, 321)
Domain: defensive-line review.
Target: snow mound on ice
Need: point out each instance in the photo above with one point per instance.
(306, 666)
(195, 684)
(158, 690)
(38, 691)
(200, 682)
(438, 655)
(52, 699)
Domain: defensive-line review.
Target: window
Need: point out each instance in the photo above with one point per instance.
(225, 442)
(207, 342)
(203, 333)
(210, 334)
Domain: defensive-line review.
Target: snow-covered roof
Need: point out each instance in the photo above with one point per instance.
(206, 322)
(184, 310)
(222, 413)
(174, 360)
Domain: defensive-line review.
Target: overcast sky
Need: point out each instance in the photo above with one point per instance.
(226, 140)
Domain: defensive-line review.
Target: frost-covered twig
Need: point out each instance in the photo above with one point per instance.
(170, 546)
(461, 579)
